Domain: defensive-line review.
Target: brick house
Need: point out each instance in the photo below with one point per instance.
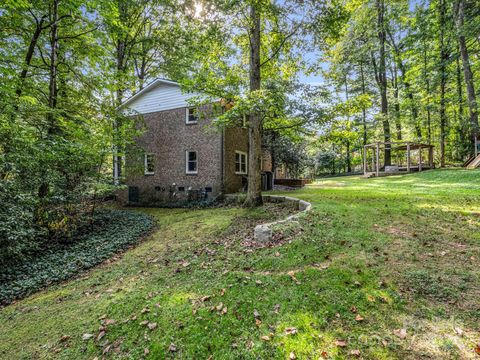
(182, 156)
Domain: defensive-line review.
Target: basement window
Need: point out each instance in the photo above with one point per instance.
(191, 116)
(149, 164)
(240, 162)
(191, 162)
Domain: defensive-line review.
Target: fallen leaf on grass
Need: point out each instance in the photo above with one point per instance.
(276, 308)
(87, 336)
(145, 310)
(224, 310)
(219, 307)
(370, 298)
(292, 356)
(265, 338)
(290, 331)
(109, 322)
(152, 326)
(355, 352)
(144, 322)
(101, 334)
(292, 276)
(107, 349)
(324, 354)
(258, 322)
(205, 298)
(146, 351)
(64, 338)
(223, 292)
(172, 347)
(277, 254)
(358, 318)
(458, 331)
(256, 314)
(340, 343)
(401, 333)
(353, 309)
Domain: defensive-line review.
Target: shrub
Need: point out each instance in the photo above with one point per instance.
(17, 231)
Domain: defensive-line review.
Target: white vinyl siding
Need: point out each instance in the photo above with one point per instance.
(160, 98)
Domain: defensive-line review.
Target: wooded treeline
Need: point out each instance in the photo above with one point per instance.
(392, 70)
(404, 70)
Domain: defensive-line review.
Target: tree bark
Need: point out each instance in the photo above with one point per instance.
(29, 56)
(443, 80)
(254, 192)
(364, 111)
(427, 86)
(467, 70)
(396, 106)
(382, 79)
(52, 89)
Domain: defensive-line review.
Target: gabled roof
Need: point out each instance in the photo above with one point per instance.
(147, 88)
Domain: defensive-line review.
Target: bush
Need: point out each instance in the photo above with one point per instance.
(17, 231)
(111, 231)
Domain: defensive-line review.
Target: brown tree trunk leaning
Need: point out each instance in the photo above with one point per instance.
(467, 70)
(254, 192)
(382, 80)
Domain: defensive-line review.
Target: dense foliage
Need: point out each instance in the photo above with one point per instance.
(65, 66)
(110, 232)
(400, 70)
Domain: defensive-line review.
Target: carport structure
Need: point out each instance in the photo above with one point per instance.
(406, 156)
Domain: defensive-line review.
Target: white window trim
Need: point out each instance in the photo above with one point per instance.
(187, 117)
(186, 162)
(146, 172)
(246, 163)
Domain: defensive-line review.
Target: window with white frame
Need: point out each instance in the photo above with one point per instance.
(240, 162)
(149, 164)
(191, 116)
(191, 162)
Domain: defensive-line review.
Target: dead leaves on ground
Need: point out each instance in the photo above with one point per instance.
(400, 333)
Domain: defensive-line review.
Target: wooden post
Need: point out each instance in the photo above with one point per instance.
(408, 157)
(364, 160)
(377, 156)
(420, 158)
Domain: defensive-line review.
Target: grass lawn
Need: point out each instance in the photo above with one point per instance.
(385, 268)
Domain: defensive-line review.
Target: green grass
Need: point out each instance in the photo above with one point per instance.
(404, 251)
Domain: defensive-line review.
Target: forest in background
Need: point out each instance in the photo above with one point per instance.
(392, 70)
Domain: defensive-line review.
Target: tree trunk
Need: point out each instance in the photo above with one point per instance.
(364, 111)
(52, 89)
(382, 80)
(467, 70)
(427, 86)
(396, 106)
(398, 63)
(254, 192)
(443, 80)
(29, 56)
